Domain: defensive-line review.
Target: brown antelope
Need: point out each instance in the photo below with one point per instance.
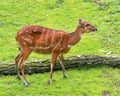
(43, 40)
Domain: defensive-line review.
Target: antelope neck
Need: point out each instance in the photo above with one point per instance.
(75, 36)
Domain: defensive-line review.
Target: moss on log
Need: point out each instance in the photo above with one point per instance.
(70, 62)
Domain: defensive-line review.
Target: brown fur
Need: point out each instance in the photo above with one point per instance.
(43, 40)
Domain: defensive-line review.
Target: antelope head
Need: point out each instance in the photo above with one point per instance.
(86, 27)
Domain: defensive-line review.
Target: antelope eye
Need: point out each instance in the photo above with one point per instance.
(87, 25)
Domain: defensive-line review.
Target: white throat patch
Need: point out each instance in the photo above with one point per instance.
(81, 35)
(69, 46)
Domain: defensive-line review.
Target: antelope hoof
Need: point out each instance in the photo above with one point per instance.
(49, 82)
(18, 77)
(65, 76)
(26, 84)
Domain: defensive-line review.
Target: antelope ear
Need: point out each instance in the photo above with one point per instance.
(80, 20)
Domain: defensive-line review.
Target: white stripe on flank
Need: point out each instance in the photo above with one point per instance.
(59, 41)
(27, 31)
(43, 30)
(53, 35)
(24, 43)
(35, 29)
(46, 39)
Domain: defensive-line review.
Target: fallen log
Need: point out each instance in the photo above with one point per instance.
(70, 62)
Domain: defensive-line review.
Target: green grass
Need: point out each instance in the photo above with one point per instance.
(85, 81)
(63, 15)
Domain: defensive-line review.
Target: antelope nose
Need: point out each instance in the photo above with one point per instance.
(95, 29)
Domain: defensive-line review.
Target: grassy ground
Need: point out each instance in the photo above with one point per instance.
(85, 81)
(63, 15)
